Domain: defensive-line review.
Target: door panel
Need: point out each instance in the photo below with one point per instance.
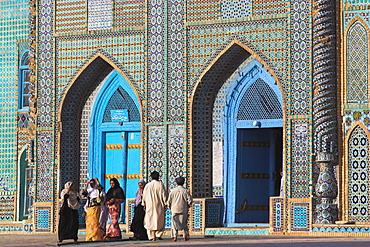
(115, 162)
(256, 174)
(122, 161)
(133, 163)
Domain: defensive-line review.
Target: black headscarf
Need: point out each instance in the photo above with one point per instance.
(115, 192)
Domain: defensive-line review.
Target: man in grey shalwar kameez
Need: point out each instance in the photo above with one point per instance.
(179, 202)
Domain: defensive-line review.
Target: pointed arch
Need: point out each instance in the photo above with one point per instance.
(356, 178)
(85, 81)
(98, 59)
(255, 96)
(114, 83)
(356, 62)
(201, 105)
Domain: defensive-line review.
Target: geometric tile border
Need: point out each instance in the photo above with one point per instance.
(300, 214)
(341, 229)
(197, 217)
(43, 216)
(277, 214)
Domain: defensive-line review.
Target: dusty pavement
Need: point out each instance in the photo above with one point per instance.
(218, 241)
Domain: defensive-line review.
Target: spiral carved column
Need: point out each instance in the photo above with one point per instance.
(324, 108)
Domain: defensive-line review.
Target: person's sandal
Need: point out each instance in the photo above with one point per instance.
(174, 239)
(160, 238)
(186, 239)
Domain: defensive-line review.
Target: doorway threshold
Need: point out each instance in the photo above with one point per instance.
(264, 225)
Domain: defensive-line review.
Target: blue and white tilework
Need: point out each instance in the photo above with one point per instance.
(100, 14)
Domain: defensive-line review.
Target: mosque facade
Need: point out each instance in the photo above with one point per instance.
(262, 105)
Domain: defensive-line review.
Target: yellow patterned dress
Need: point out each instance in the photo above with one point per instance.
(93, 230)
(92, 209)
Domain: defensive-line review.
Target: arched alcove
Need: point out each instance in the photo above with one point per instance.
(202, 118)
(71, 107)
(358, 175)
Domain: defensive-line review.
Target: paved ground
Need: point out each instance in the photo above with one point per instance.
(217, 241)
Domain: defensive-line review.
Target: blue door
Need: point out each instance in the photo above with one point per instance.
(122, 161)
(258, 165)
(115, 158)
(133, 163)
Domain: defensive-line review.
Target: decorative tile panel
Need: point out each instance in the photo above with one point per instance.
(176, 58)
(14, 26)
(7, 209)
(300, 165)
(358, 176)
(300, 215)
(22, 120)
(300, 56)
(357, 64)
(129, 13)
(28, 227)
(157, 152)
(202, 10)
(236, 9)
(270, 7)
(156, 66)
(45, 61)
(64, 22)
(100, 14)
(176, 154)
(277, 214)
(197, 223)
(349, 15)
(341, 229)
(45, 179)
(43, 218)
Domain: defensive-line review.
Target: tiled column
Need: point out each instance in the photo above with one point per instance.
(324, 108)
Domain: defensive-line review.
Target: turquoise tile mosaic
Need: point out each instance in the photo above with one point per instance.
(14, 16)
(181, 57)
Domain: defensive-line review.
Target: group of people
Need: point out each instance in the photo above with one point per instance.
(99, 205)
(151, 203)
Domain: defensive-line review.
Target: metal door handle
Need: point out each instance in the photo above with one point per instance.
(244, 207)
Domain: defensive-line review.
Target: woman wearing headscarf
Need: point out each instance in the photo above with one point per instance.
(104, 212)
(115, 197)
(137, 226)
(92, 209)
(68, 220)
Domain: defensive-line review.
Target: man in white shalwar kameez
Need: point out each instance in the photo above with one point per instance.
(154, 203)
(179, 201)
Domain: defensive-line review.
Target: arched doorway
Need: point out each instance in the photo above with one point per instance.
(95, 77)
(24, 186)
(210, 161)
(115, 135)
(253, 145)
